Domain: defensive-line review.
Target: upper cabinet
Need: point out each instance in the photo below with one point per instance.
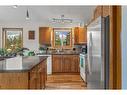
(98, 12)
(80, 35)
(45, 35)
(102, 11)
(62, 37)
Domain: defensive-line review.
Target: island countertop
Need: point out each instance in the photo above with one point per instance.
(25, 63)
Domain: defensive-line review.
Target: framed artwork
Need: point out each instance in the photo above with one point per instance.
(31, 34)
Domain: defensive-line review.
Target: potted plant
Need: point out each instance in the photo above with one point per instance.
(31, 53)
(3, 52)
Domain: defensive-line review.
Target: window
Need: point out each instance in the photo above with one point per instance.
(62, 37)
(12, 38)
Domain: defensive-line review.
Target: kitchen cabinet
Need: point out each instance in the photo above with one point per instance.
(45, 35)
(80, 35)
(11, 80)
(101, 11)
(97, 12)
(65, 63)
(34, 78)
(75, 64)
(38, 76)
(57, 63)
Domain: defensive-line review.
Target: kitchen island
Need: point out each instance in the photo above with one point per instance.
(27, 73)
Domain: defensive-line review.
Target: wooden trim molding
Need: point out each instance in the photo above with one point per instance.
(4, 36)
(117, 46)
(53, 38)
(119, 56)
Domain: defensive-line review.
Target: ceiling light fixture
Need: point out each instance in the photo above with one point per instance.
(15, 6)
(27, 15)
(62, 19)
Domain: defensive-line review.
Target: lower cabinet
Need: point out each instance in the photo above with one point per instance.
(65, 63)
(75, 64)
(57, 63)
(14, 80)
(38, 76)
(34, 78)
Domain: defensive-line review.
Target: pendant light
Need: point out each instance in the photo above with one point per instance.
(27, 15)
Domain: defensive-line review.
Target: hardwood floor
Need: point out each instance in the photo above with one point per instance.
(64, 81)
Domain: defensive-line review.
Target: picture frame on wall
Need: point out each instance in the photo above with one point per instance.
(31, 34)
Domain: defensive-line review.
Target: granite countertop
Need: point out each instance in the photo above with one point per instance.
(22, 64)
(4, 57)
(60, 53)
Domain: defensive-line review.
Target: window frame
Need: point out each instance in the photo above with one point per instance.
(4, 36)
(62, 29)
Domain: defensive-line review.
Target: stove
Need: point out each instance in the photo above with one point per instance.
(83, 65)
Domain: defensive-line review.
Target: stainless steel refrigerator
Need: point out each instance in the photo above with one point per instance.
(97, 56)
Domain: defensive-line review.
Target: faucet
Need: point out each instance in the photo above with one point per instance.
(61, 49)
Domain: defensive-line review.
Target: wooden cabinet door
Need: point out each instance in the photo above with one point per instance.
(33, 79)
(76, 35)
(66, 63)
(56, 63)
(75, 64)
(80, 35)
(97, 12)
(38, 80)
(44, 74)
(14, 80)
(39, 74)
(45, 35)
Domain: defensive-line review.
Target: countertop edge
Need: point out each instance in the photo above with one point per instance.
(24, 70)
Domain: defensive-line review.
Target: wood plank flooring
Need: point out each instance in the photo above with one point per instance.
(64, 81)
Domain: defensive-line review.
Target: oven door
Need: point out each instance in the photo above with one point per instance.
(82, 61)
(82, 67)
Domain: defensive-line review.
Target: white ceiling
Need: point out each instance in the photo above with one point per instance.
(39, 14)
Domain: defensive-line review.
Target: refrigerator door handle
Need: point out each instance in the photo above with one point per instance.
(90, 40)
